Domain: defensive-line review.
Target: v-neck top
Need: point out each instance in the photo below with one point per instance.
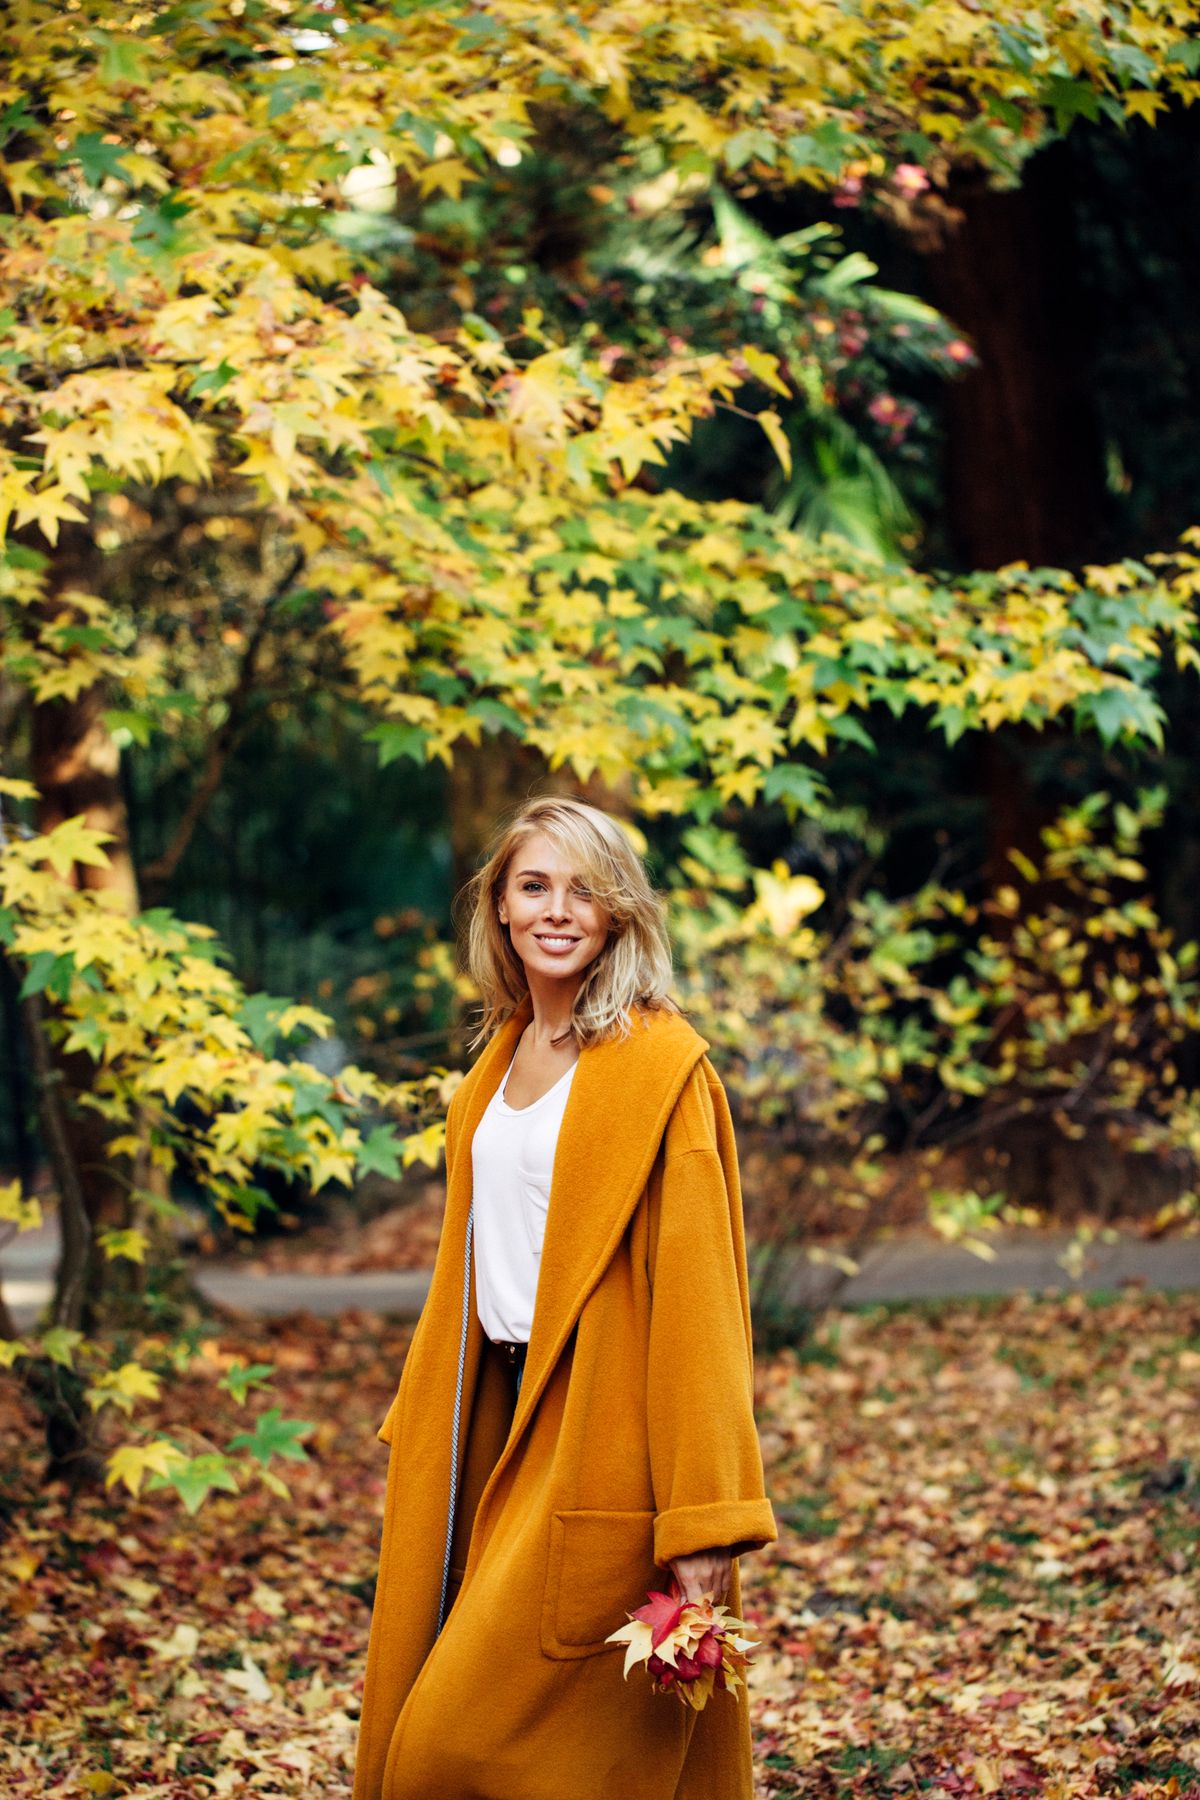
(512, 1160)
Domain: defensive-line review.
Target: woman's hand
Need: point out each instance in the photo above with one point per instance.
(708, 1573)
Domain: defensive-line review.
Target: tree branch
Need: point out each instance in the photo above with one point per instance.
(156, 874)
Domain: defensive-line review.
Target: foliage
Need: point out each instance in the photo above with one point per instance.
(186, 1064)
(464, 521)
(180, 315)
(935, 1022)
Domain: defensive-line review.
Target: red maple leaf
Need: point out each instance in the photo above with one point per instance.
(661, 1612)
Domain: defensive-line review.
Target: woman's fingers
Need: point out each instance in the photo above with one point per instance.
(705, 1575)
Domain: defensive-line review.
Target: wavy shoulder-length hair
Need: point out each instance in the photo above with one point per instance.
(633, 968)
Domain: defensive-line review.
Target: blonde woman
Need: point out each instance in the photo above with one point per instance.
(575, 1421)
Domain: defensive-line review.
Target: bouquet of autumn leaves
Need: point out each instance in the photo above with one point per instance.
(689, 1647)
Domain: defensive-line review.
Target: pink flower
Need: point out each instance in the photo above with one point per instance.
(911, 179)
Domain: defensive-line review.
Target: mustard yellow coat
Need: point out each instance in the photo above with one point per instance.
(633, 1442)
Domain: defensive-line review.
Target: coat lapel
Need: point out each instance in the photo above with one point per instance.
(620, 1099)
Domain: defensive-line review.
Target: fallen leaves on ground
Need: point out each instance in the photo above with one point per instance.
(985, 1581)
(402, 1237)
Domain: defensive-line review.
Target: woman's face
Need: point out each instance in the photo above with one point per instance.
(556, 927)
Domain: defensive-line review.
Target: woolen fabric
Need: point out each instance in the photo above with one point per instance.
(632, 1442)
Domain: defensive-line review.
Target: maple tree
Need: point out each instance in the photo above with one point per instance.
(474, 517)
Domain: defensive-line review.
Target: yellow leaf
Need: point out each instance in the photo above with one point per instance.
(74, 841)
(1144, 103)
(134, 1379)
(129, 1243)
(448, 176)
(16, 1209)
(183, 1643)
(424, 1146)
(132, 1462)
(766, 368)
(784, 899)
(777, 437)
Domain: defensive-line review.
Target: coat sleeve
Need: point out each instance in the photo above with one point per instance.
(706, 1463)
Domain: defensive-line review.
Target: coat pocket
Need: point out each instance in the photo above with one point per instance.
(601, 1565)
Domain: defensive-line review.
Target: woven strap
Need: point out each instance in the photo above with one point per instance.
(457, 1425)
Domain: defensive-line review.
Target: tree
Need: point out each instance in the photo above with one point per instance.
(472, 518)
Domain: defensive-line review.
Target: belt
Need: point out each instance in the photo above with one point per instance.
(515, 1352)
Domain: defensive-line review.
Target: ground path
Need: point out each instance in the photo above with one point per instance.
(904, 1267)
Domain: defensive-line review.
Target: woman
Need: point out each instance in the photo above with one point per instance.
(550, 1463)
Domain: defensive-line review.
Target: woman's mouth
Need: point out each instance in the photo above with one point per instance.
(557, 946)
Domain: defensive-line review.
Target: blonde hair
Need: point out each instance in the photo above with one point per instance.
(634, 967)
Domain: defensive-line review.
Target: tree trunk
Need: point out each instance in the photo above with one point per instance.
(1024, 473)
(75, 766)
(489, 782)
(1024, 482)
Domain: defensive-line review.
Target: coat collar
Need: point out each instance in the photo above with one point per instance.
(620, 1099)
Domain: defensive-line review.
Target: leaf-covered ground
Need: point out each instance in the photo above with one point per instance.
(985, 1581)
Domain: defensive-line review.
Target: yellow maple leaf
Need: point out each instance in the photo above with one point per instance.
(446, 177)
(129, 1243)
(74, 841)
(766, 368)
(777, 438)
(131, 1463)
(783, 899)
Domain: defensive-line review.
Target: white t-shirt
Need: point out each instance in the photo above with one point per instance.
(512, 1158)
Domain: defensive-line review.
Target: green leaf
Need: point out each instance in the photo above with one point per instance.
(398, 740)
(239, 1378)
(289, 92)
(15, 119)
(273, 1435)
(195, 1480)
(746, 145)
(1069, 100)
(380, 1154)
(97, 159)
(59, 1345)
(799, 787)
(156, 230)
(260, 1014)
(1120, 712)
(497, 717)
(211, 381)
(86, 1034)
(129, 727)
(122, 62)
(48, 971)
(853, 730)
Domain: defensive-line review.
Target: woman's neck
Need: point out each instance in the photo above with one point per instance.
(552, 1002)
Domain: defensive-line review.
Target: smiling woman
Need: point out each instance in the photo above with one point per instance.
(558, 1438)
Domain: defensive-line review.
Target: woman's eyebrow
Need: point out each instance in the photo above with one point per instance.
(541, 875)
